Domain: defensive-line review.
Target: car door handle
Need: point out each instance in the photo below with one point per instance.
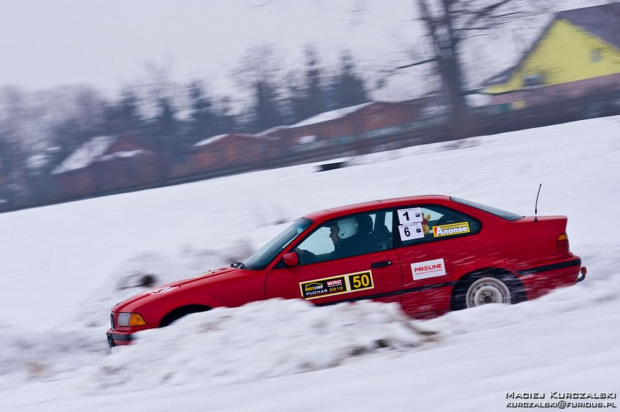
(381, 264)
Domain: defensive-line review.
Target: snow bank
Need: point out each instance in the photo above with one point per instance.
(30, 355)
(131, 279)
(257, 341)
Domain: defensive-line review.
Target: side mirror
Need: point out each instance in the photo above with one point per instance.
(291, 259)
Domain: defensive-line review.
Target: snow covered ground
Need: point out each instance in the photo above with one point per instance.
(64, 267)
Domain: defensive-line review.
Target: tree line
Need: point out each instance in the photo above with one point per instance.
(177, 116)
(38, 130)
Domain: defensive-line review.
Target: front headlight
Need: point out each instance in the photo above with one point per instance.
(130, 319)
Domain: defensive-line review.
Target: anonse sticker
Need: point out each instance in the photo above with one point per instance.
(451, 229)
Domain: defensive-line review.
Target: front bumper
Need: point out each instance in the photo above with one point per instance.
(118, 338)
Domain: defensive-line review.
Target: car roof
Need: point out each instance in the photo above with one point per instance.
(375, 204)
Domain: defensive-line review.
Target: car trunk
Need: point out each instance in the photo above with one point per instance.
(542, 239)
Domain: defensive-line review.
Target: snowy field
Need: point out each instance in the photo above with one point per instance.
(65, 266)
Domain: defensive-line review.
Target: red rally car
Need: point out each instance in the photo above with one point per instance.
(431, 254)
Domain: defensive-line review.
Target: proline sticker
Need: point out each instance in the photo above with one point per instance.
(428, 269)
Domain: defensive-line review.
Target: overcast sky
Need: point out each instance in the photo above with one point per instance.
(106, 43)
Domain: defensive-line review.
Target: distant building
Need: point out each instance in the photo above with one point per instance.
(107, 164)
(357, 127)
(220, 154)
(577, 54)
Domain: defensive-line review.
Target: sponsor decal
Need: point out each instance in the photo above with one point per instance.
(323, 287)
(311, 287)
(360, 281)
(428, 269)
(412, 231)
(409, 216)
(451, 229)
(336, 285)
(337, 282)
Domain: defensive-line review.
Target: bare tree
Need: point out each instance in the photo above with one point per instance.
(449, 23)
(260, 74)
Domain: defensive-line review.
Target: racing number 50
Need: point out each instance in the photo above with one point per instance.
(361, 280)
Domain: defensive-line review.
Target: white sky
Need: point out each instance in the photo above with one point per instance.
(107, 42)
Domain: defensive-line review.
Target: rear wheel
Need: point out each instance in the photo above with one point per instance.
(488, 286)
(487, 290)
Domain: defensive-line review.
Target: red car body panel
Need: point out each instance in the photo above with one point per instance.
(421, 277)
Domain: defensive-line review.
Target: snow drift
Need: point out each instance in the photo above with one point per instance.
(257, 341)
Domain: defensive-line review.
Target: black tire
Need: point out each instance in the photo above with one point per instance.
(487, 287)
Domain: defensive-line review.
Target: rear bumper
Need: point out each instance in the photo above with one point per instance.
(118, 338)
(539, 280)
(573, 264)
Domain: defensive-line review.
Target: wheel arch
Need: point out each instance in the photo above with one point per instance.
(510, 278)
(181, 311)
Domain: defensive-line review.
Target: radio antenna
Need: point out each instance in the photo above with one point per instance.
(536, 206)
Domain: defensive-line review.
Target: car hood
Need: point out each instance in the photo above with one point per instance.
(171, 289)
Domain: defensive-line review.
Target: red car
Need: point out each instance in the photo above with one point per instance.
(431, 254)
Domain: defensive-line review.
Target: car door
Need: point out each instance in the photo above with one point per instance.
(432, 241)
(323, 276)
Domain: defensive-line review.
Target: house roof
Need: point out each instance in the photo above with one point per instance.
(98, 149)
(86, 154)
(601, 21)
(213, 139)
(330, 115)
(319, 118)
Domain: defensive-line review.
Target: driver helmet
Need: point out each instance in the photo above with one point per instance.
(347, 228)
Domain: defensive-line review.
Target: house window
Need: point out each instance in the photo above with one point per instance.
(533, 80)
(596, 55)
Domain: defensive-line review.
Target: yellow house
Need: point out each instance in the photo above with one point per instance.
(578, 53)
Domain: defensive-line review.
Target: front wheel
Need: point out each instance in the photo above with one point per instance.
(487, 290)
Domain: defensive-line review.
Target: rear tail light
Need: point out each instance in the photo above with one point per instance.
(562, 245)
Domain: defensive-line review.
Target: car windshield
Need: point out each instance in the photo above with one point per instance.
(265, 255)
(492, 210)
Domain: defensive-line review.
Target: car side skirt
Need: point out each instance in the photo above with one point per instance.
(388, 294)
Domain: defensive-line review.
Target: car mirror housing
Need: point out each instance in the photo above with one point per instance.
(291, 259)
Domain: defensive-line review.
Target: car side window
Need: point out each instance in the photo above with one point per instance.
(431, 223)
(348, 236)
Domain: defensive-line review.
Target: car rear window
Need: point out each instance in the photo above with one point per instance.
(492, 210)
(427, 223)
